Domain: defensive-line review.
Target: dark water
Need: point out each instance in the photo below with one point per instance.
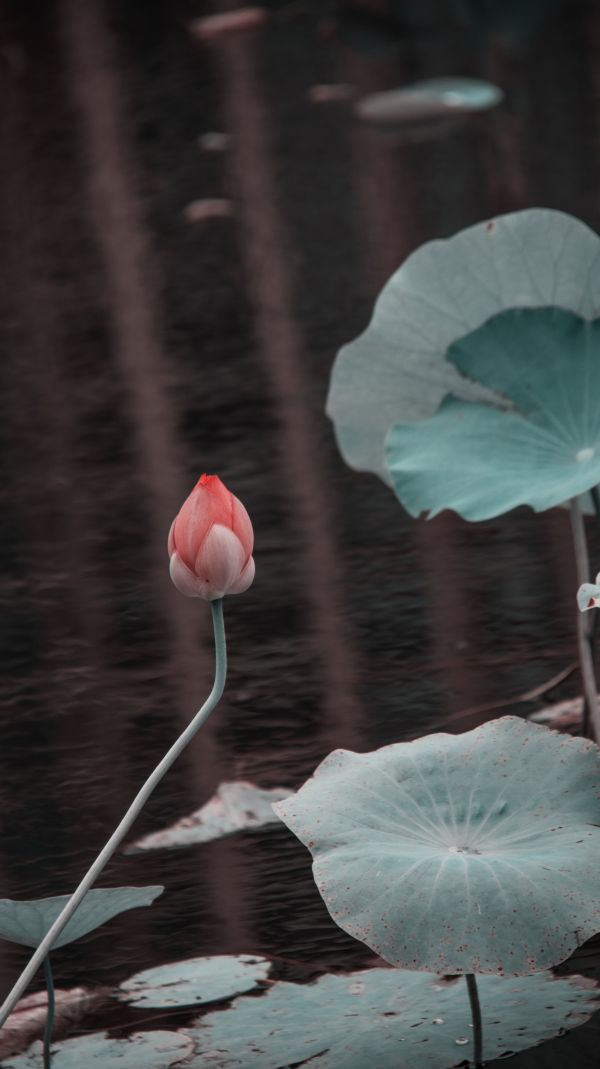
(139, 349)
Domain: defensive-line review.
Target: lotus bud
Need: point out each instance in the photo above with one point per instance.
(210, 543)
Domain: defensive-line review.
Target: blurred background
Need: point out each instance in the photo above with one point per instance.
(193, 220)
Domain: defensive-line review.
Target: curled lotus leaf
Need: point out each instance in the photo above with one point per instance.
(397, 371)
(26, 922)
(482, 461)
(387, 1018)
(588, 595)
(464, 853)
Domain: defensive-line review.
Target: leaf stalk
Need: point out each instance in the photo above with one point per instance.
(476, 1018)
(591, 713)
(49, 1013)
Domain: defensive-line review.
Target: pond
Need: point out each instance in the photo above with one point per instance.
(175, 302)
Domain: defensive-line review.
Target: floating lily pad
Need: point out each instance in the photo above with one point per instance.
(186, 983)
(481, 461)
(588, 595)
(429, 99)
(397, 371)
(27, 922)
(236, 806)
(143, 1050)
(387, 1018)
(464, 853)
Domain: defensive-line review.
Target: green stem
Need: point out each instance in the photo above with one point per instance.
(121, 830)
(591, 714)
(476, 1018)
(49, 1013)
(595, 627)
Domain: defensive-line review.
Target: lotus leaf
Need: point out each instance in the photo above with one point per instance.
(143, 1050)
(397, 370)
(429, 99)
(185, 983)
(483, 461)
(236, 806)
(387, 1018)
(464, 853)
(588, 595)
(27, 922)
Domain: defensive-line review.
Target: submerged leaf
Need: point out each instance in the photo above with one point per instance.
(28, 1019)
(387, 1018)
(27, 922)
(464, 853)
(143, 1050)
(481, 461)
(197, 980)
(236, 806)
(561, 716)
(397, 371)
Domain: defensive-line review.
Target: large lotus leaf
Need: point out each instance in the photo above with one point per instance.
(397, 372)
(236, 806)
(27, 922)
(197, 980)
(387, 1018)
(464, 853)
(482, 461)
(143, 1050)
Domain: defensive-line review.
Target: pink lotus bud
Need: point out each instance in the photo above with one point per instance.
(210, 543)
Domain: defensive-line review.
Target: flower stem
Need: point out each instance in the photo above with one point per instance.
(121, 830)
(476, 1018)
(49, 1013)
(595, 496)
(591, 714)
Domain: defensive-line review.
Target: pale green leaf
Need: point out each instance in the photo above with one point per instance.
(27, 922)
(196, 980)
(481, 461)
(588, 595)
(236, 806)
(429, 99)
(397, 371)
(387, 1019)
(143, 1050)
(464, 853)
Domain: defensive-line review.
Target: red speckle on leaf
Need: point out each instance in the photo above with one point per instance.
(491, 226)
